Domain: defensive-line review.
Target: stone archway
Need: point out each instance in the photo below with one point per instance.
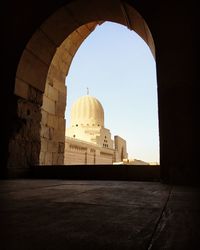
(44, 64)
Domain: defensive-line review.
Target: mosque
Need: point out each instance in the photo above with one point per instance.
(87, 141)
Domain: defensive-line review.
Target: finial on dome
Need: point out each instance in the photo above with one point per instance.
(87, 91)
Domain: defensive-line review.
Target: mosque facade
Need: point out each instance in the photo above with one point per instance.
(87, 141)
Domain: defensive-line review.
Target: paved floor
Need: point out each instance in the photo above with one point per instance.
(59, 214)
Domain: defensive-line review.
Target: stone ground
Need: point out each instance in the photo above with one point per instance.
(63, 214)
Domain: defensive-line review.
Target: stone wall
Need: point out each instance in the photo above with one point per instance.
(53, 121)
(120, 149)
(78, 152)
(25, 144)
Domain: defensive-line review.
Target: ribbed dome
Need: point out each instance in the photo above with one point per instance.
(87, 111)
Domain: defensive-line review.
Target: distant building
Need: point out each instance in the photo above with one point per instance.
(153, 163)
(137, 162)
(87, 141)
(132, 162)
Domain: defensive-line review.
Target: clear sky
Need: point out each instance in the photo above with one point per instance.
(118, 68)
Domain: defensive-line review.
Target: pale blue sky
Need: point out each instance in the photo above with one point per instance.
(118, 68)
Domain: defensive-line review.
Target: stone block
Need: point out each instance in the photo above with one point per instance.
(45, 132)
(86, 11)
(67, 58)
(33, 130)
(51, 133)
(91, 25)
(76, 38)
(61, 123)
(41, 46)
(61, 104)
(83, 31)
(50, 121)
(55, 121)
(59, 135)
(48, 158)
(24, 109)
(32, 70)
(61, 147)
(52, 146)
(55, 158)
(42, 158)
(150, 40)
(35, 152)
(59, 58)
(56, 78)
(44, 120)
(35, 95)
(70, 47)
(49, 105)
(21, 88)
(59, 85)
(44, 143)
(55, 73)
(60, 159)
(52, 93)
(29, 111)
(63, 61)
(59, 25)
(46, 86)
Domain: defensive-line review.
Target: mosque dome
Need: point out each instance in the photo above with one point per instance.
(87, 111)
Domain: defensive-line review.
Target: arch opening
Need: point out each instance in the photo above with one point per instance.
(40, 78)
(117, 67)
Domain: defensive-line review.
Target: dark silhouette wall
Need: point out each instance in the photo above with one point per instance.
(173, 25)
